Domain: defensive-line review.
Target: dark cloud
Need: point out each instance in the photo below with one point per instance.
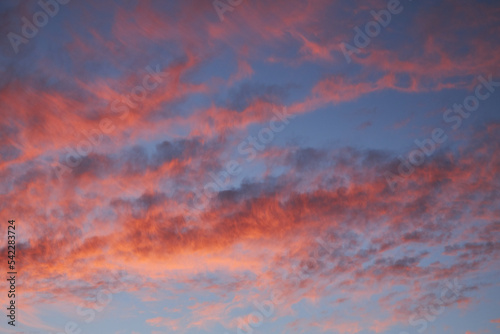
(247, 93)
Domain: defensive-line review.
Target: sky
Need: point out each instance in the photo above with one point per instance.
(250, 166)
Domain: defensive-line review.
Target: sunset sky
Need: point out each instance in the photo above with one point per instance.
(251, 166)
